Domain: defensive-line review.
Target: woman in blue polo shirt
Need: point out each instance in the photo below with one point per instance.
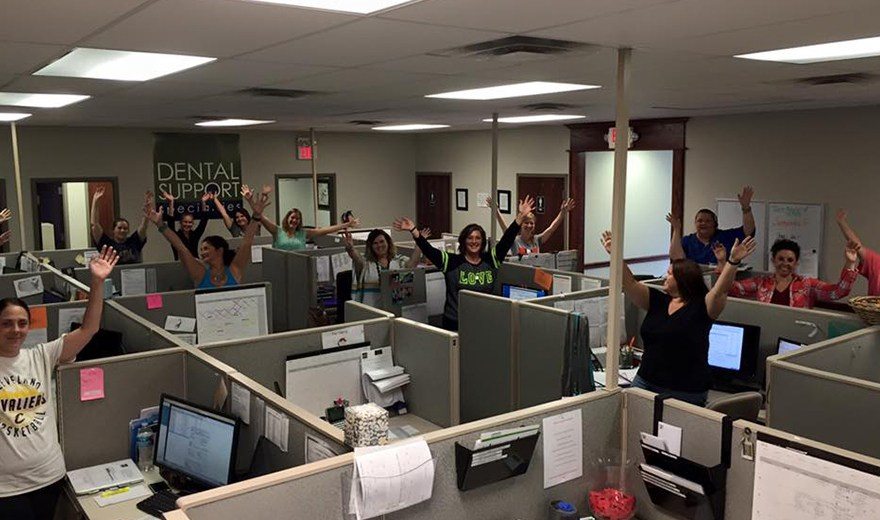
(698, 245)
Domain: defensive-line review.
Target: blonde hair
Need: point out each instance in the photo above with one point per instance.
(285, 224)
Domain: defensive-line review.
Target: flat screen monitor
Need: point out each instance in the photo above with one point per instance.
(315, 379)
(196, 442)
(785, 345)
(733, 349)
(521, 293)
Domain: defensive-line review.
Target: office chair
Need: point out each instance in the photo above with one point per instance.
(743, 405)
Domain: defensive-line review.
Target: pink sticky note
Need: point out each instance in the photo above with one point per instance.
(91, 384)
(154, 301)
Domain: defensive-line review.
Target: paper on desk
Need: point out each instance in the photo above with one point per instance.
(180, 324)
(343, 337)
(138, 491)
(134, 281)
(103, 476)
(671, 435)
(241, 403)
(563, 448)
(277, 428)
(68, 316)
(561, 284)
(323, 267)
(341, 262)
(316, 449)
(391, 478)
(29, 286)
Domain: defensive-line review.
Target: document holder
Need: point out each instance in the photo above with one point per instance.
(676, 486)
(475, 468)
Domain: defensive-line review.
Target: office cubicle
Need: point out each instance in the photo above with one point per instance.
(51, 288)
(146, 278)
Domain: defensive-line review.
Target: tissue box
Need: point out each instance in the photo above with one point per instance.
(366, 425)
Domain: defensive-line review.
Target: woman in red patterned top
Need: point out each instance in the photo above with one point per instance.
(785, 286)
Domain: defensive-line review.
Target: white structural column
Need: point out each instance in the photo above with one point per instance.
(618, 206)
(17, 166)
(493, 226)
(314, 144)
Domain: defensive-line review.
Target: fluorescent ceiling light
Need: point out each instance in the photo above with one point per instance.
(7, 117)
(119, 65)
(535, 119)
(345, 6)
(845, 50)
(21, 99)
(532, 88)
(404, 128)
(234, 122)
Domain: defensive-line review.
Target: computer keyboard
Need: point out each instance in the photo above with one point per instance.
(159, 503)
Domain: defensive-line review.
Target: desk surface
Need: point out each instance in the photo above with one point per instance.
(122, 511)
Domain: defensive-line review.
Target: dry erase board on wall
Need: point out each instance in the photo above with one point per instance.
(802, 223)
(730, 216)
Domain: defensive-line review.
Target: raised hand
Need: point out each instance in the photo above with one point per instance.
(246, 192)
(425, 232)
(353, 222)
(98, 193)
(102, 265)
(526, 206)
(720, 252)
(606, 241)
(742, 249)
(745, 197)
(152, 215)
(207, 196)
(852, 253)
(567, 205)
(167, 197)
(674, 221)
(403, 224)
(266, 190)
(5, 237)
(841, 216)
(490, 202)
(5, 215)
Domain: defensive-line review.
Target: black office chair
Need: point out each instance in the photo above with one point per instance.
(343, 293)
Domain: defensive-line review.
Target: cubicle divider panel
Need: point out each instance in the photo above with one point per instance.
(856, 354)
(174, 303)
(302, 288)
(206, 379)
(357, 311)
(52, 316)
(64, 258)
(275, 272)
(431, 358)
(512, 273)
(138, 335)
(263, 359)
(97, 431)
(541, 346)
(486, 341)
(49, 280)
(319, 490)
(159, 276)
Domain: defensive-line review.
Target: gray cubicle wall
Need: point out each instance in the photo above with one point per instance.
(392, 300)
(356, 311)
(263, 359)
(49, 278)
(161, 276)
(524, 276)
(424, 351)
(63, 258)
(319, 490)
(829, 391)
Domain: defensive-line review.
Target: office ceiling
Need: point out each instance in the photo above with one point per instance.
(380, 67)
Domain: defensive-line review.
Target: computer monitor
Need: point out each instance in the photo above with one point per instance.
(733, 350)
(784, 345)
(521, 293)
(196, 442)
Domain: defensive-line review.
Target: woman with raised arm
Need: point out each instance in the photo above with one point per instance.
(675, 331)
(31, 463)
(785, 286)
(381, 255)
(472, 268)
(238, 222)
(698, 245)
(292, 235)
(128, 247)
(188, 233)
(869, 260)
(528, 242)
(217, 266)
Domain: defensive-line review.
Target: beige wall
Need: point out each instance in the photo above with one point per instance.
(371, 169)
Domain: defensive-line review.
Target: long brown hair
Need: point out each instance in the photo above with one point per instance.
(689, 279)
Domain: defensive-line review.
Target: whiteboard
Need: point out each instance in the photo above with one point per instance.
(730, 216)
(315, 379)
(802, 223)
(222, 315)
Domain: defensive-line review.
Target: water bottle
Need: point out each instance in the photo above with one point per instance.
(145, 449)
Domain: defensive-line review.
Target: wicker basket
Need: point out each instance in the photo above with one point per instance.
(867, 307)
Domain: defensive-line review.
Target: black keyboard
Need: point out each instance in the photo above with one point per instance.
(159, 503)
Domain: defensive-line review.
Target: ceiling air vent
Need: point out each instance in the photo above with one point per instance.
(547, 107)
(365, 122)
(277, 92)
(837, 79)
(516, 48)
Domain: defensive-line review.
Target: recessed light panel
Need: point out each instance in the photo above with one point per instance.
(406, 128)
(22, 99)
(7, 117)
(535, 118)
(119, 65)
(234, 122)
(345, 6)
(844, 50)
(531, 88)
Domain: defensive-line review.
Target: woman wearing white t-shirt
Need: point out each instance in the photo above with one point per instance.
(380, 254)
(31, 464)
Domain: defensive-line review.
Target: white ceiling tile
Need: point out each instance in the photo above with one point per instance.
(244, 73)
(58, 85)
(58, 21)
(367, 41)
(20, 58)
(218, 28)
(360, 78)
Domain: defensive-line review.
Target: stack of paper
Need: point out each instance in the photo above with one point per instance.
(104, 476)
(382, 379)
(504, 436)
(390, 478)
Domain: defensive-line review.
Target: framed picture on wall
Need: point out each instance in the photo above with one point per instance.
(461, 199)
(324, 195)
(504, 201)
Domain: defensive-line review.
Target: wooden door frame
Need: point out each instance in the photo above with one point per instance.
(330, 176)
(451, 197)
(654, 134)
(565, 194)
(35, 210)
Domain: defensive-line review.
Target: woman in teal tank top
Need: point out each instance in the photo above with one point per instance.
(291, 236)
(217, 265)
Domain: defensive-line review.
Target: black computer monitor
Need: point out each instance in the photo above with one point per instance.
(515, 292)
(733, 350)
(784, 345)
(196, 442)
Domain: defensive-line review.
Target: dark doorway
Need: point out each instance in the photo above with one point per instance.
(548, 192)
(49, 206)
(434, 202)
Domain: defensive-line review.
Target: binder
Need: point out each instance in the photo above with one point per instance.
(476, 468)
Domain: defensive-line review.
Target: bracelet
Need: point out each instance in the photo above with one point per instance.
(731, 262)
(257, 216)
(162, 227)
(746, 210)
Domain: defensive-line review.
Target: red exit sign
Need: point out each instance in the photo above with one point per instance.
(303, 149)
